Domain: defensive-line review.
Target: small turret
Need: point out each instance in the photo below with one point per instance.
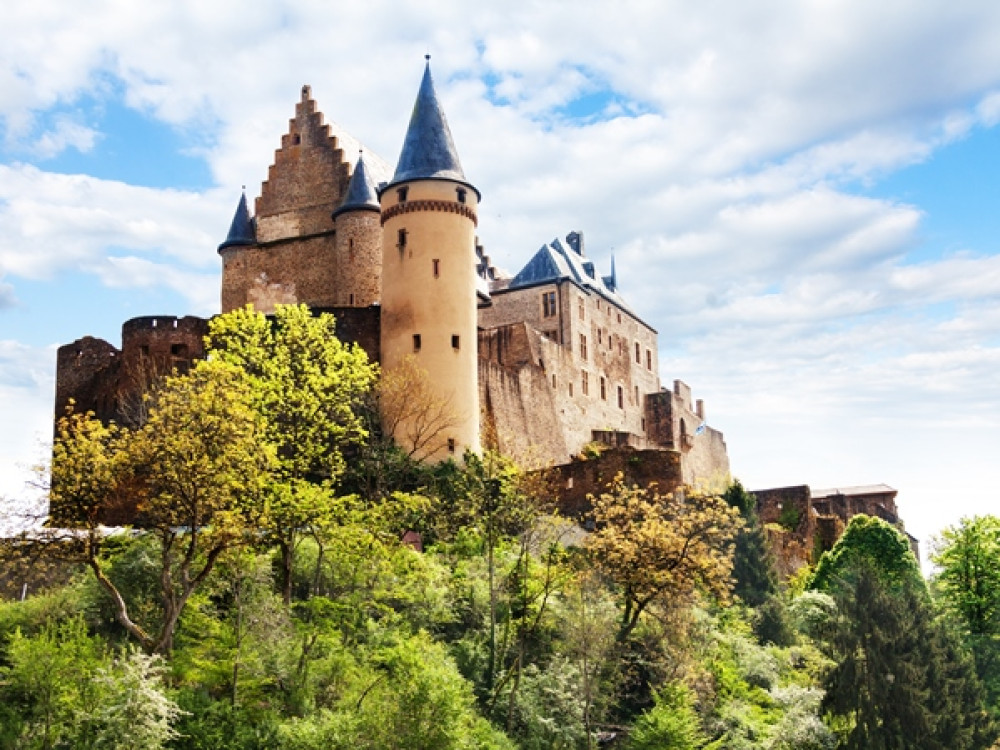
(242, 231)
(358, 257)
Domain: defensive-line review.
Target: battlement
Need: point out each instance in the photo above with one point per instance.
(188, 323)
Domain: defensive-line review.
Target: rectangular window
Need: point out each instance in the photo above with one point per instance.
(401, 239)
(604, 390)
(548, 304)
(638, 357)
(581, 310)
(460, 192)
(416, 342)
(352, 299)
(571, 388)
(583, 346)
(401, 194)
(437, 267)
(621, 397)
(649, 360)
(600, 337)
(584, 382)
(454, 341)
(637, 395)
(451, 445)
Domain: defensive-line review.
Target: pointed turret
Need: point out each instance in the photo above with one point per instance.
(428, 149)
(361, 193)
(241, 231)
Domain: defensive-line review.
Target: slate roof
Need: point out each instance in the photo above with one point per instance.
(428, 149)
(554, 262)
(242, 231)
(361, 193)
(867, 489)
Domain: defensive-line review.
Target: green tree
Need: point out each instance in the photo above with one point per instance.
(898, 681)
(309, 389)
(754, 576)
(868, 541)
(195, 470)
(672, 723)
(967, 586)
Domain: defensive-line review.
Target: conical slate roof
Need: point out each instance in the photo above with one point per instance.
(241, 231)
(428, 150)
(361, 195)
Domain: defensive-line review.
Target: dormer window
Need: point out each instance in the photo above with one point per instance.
(401, 194)
(460, 192)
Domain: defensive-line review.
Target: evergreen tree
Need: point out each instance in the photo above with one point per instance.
(898, 682)
(754, 575)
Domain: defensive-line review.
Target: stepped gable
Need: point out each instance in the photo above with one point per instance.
(307, 181)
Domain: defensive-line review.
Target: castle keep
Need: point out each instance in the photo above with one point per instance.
(539, 364)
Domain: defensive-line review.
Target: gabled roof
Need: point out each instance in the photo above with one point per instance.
(554, 262)
(241, 231)
(361, 191)
(428, 149)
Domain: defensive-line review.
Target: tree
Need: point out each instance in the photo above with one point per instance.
(194, 470)
(899, 681)
(672, 724)
(308, 387)
(968, 587)
(754, 576)
(872, 541)
(412, 412)
(661, 546)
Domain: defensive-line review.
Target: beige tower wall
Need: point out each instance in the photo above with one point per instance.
(358, 259)
(436, 301)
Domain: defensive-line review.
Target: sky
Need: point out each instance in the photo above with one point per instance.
(801, 197)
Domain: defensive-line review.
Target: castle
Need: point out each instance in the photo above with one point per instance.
(544, 365)
(542, 362)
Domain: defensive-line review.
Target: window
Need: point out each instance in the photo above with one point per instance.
(454, 341)
(179, 350)
(585, 382)
(621, 397)
(637, 395)
(581, 310)
(401, 194)
(649, 360)
(416, 342)
(638, 358)
(583, 346)
(553, 381)
(600, 335)
(144, 349)
(350, 247)
(296, 139)
(571, 388)
(604, 389)
(619, 317)
(548, 304)
(460, 192)
(437, 267)
(401, 239)
(451, 445)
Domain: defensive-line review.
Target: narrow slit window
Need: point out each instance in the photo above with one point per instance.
(649, 360)
(352, 299)
(553, 381)
(401, 239)
(437, 267)
(621, 397)
(604, 389)
(584, 382)
(638, 355)
(583, 346)
(416, 342)
(454, 341)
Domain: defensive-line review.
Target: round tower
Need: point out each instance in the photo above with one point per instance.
(429, 277)
(241, 239)
(358, 251)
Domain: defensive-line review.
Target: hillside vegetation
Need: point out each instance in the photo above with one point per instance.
(296, 581)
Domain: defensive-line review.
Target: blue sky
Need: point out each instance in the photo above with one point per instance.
(802, 199)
